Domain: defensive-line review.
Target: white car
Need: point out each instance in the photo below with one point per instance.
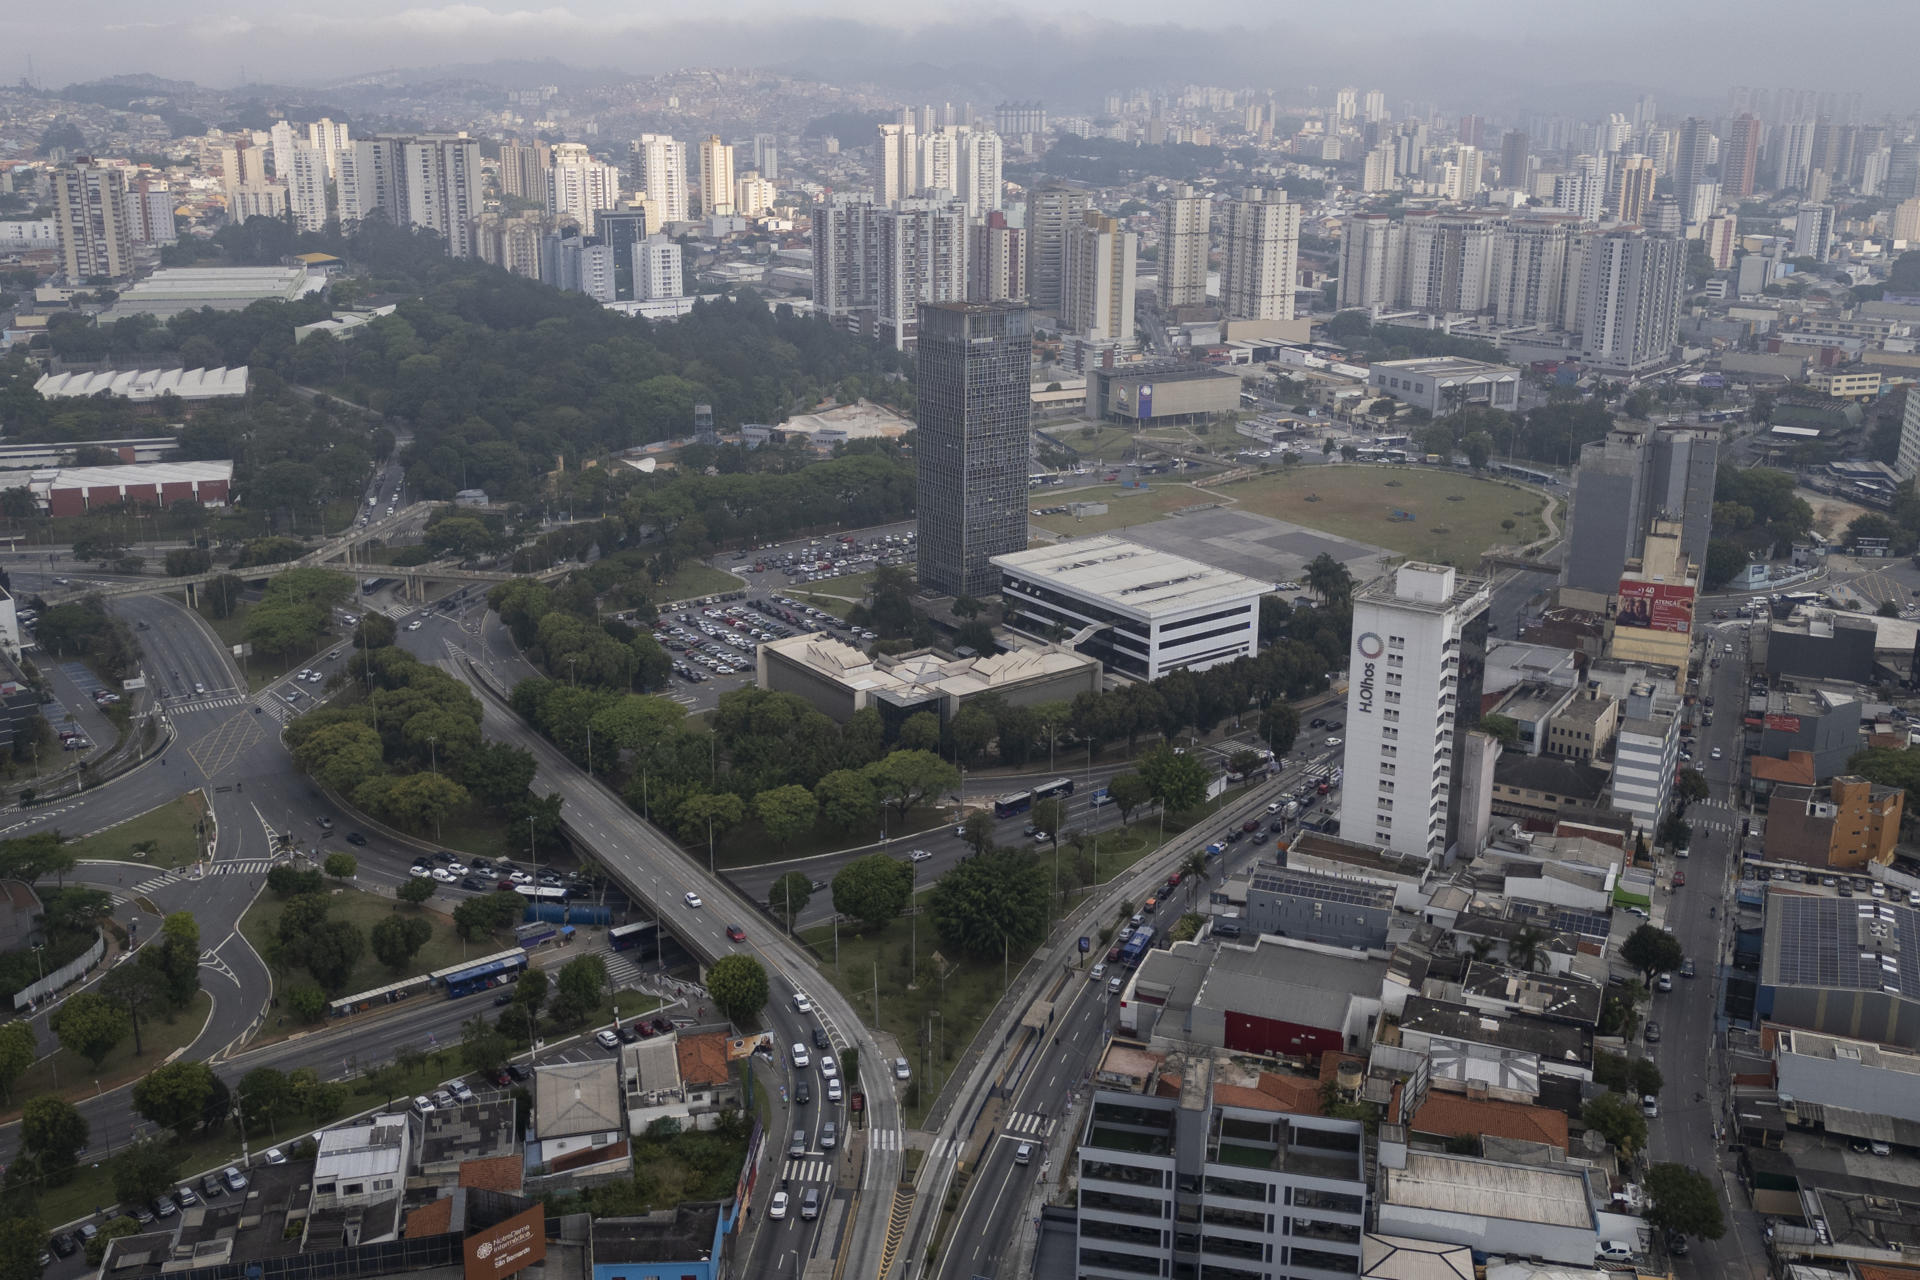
(443, 875)
(419, 872)
(828, 1067)
(800, 1058)
(520, 877)
(457, 868)
(900, 1069)
(801, 1004)
(414, 625)
(692, 900)
(607, 1040)
(1716, 753)
(276, 1156)
(919, 855)
(834, 1091)
(1333, 742)
(777, 1209)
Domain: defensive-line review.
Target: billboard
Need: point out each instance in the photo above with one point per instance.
(507, 1247)
(1655, 606)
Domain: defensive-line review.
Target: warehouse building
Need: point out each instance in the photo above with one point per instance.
(140, 385)
(72, 491)
(1141, 612)
(171, 290)
(1160, 393)
(840, 679)
(1842, 967)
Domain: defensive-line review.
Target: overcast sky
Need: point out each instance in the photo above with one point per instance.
(1495, 54)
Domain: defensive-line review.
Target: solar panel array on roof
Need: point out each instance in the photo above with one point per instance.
(1353, 893)
(1846, 945)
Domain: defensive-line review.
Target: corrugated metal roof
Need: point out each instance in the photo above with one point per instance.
(146, 384)
(1130, 578)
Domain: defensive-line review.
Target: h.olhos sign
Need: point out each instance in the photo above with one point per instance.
(1369, 646)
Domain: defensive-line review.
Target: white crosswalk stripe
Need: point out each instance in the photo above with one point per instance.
(885, 1139)
(398, 611)
(181, 706)
(622, 969)
(155, 884)
(1028, 1125)
(808, 1170)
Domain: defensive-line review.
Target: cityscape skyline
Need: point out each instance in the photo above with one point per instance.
(1504, 58)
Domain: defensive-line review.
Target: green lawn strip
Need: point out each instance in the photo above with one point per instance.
(748, 846)
(73, 1077)
(365, 910)
(171, 829)
(262, 669)
(913, 1017)
(695, 578)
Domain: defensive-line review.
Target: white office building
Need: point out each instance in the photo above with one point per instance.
(331, 139)
(657, 269)
(1142, 612)
(657, 169)
(1646, 755)
(979, 168)
(578, 186)
(307, 186)
(1419, 646)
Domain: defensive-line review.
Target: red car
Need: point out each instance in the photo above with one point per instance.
(1679, 878)
(736, 934)
(641, 1029)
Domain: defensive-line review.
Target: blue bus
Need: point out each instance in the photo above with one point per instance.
(1136, 946)
(482, 974)
(1021, 801)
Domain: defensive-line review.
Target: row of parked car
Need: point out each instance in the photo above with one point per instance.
(65, 1244)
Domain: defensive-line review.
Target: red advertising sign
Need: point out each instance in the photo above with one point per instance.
(1655, 606)
(1785, 724)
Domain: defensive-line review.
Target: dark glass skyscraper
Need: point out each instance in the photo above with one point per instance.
(974, 440)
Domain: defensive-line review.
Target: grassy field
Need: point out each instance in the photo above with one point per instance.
(480, 834)
(1124, 506)
(1455, 516)
(365, 909)
(262, 669)
(696, 579)
(961, 1001)
(852, 586)
(170, 828)
(73, 1077)
(1106, 443)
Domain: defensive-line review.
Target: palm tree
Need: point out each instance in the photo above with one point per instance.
(1480, 948)
(1528, 949)
(1329, 579)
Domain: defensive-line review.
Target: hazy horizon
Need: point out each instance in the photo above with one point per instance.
(1488, 55)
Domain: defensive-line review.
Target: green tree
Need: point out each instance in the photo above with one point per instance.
(1726, 560)
(991, 904)
(1652, 950)
(977, 830)
(581, 987)
(874, 889)
(1645, 1079)
(289, 881)
(330, 953)
(482, 1045)
(1684, 1201)
(1279, 728)
(919, 732)
(17, 1048)
(341, 866)
(1050, 816)
(707, 815)
(788, 896)
(846, 800)
(1176, 781)
(738, 985)
(905, 779)
(1129, 790)
(786, 812)
(22, 1242)
(174, 1096)
(1619, 1120)
(266, 1099)
(91, 1025)
(1502, 729)
(1690, 787)
(307, 1002)
(397, 939)
(531, 991)
(145, 1170)
(54, 1132)
(415, 891)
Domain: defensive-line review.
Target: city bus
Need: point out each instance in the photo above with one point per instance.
(479, 975)
(628, 936)
(1135, 949)
(1020, 801)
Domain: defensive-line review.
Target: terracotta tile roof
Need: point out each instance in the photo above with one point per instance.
(587, 1157)
(1295, 1095)
(1455, 1115)
(1889, 741)
(1797, 768)
(703, 1059)
(434, 1219)
(494, 1173)
(1869, 1271)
